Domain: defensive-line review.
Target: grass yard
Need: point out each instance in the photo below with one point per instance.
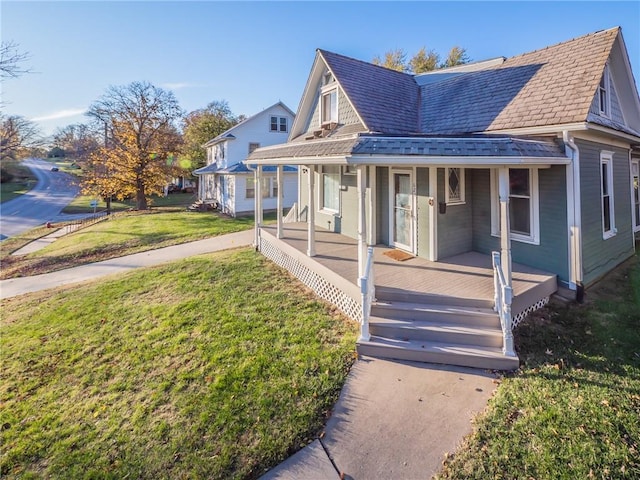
(215, 367)
(573, 410)
(82, 203)
(130, 233)
(23, 180)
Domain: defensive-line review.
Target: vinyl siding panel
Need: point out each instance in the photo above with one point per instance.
(422, 184)
(552, 253)
(349, 206)
(454, 226)
(600, 255)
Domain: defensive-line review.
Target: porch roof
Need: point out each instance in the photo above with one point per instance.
(213, 168)
(385, 149)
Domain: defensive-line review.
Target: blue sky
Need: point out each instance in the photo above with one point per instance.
(253, 54)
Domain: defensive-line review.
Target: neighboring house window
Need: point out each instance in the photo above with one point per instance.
(269, 187)
(250, 190)
(603, 93)
(279, 124)
(253, 146)
(329, 105)
(524, 215)
(455, 186)
(330, 191)
(606, 177)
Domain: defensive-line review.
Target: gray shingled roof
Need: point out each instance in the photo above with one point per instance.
(555, 85)
(386, 100)
(372, 145)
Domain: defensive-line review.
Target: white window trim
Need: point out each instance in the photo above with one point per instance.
(327, 89)
(461, 200)
(321, 207)
(278, 120)
(534, 206)
(606, 112)
(606, 158)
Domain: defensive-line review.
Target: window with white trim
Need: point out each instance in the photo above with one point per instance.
(330, 191)
(279, 124)
(606, 191)
(269, 187)
(603, 93)
(454, 191)
(524, 210)
(329, 105)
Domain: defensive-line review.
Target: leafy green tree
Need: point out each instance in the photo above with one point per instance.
(393, 59)
(457, 56)
(424, 61)
(141, 142)
(202, 125)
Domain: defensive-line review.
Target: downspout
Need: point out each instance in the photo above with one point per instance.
(574, 217)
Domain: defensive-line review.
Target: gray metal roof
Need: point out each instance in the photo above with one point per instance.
(213, 168)
(424, 146)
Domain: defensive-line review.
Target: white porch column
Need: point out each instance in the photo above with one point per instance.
(505, 227)
(256, 206)
(258, 193)
(280, 200)
(372, 233)
(361, 180)
(311, 215)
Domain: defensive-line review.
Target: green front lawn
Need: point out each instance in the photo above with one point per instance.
(215, 367)
(125, 234)
(573, 410)
(22, 180)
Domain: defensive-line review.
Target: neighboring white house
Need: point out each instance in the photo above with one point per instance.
(227, 183)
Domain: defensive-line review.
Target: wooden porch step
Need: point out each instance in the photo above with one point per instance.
(436, 352)
(408, 296)
(474, 316)
(435, 331)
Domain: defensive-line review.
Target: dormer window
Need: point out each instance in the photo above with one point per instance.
(329, 106)
(603, 93)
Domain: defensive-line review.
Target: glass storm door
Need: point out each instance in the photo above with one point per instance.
(402, 211)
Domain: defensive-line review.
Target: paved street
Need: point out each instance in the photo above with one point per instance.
(41, 204)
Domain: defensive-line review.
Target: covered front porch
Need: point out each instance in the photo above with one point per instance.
(466, 278)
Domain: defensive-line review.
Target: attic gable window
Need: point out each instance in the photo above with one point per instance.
(329, 105)
(603, 93)
(279, 124)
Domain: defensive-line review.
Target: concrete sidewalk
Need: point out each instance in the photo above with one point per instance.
(393, 420)
(18, 286)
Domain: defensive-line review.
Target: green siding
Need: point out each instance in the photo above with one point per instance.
(454, 226)
(382, 205)
(552, 253)
(349, 206)
(346, 114)
(599, 255)
(422, 182)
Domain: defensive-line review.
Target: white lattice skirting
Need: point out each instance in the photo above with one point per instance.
(316, 282)
(536, 306)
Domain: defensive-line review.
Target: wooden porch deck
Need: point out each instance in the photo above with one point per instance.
(468, 276)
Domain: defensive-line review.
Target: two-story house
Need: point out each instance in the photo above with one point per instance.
(227, 182)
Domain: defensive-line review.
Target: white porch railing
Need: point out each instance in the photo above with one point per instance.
(503, 298)
(292, 214)
(368, 289)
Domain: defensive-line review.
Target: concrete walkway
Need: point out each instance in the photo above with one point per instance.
(18, 286)
(394, 420)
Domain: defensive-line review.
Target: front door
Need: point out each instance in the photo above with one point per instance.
(402, 228)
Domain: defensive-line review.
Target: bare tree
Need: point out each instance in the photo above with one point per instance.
(17, 136)
(139, 121)
(11, 59)
(78, 140)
